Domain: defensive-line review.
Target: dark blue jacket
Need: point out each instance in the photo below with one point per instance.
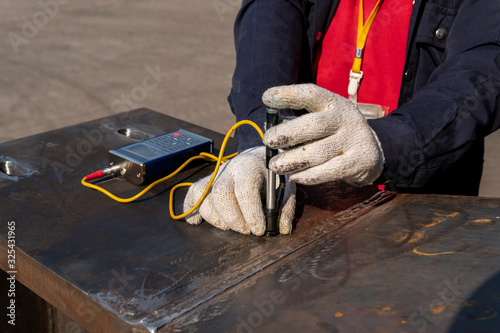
(449, 99)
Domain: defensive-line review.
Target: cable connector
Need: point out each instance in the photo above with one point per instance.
(112, 170)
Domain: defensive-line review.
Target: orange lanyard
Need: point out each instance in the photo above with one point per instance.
(356, 74)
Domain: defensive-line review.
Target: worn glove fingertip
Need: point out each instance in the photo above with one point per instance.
(304, 178)
(276, 166)
(275, 139)
(270, 96)
(285, 227)
(194, 219)
(282, 97)
(258, 228)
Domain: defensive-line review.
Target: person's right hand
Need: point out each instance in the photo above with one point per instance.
(236, 199)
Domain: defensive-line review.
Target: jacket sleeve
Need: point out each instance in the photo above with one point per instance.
(455, 109)
(269, 37)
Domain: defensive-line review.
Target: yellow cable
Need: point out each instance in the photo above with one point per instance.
(150, 186)
(205, 156)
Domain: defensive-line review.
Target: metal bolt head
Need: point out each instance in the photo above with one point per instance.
(123, 171)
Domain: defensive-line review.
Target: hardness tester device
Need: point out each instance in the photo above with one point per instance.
(159, 158)
(148, 160)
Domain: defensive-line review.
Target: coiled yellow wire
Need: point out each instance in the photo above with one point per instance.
(204, 156)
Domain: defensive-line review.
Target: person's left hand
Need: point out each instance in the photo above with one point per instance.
(332, 142)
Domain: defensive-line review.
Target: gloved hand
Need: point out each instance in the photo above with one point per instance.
(234, 201)
(332, 142)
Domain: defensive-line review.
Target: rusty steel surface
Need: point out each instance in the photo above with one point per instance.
(420, 263)
(130, 267)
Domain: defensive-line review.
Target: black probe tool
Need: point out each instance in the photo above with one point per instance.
(273, 196)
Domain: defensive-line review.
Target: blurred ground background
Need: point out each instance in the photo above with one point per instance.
(63, 62)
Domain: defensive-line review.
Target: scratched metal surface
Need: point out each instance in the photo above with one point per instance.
(120, 267)
(417, 264)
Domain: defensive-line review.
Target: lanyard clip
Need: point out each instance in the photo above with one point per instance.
(354, 82)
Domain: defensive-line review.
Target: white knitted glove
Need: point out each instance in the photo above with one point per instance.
(332, 142)
(234, 201)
